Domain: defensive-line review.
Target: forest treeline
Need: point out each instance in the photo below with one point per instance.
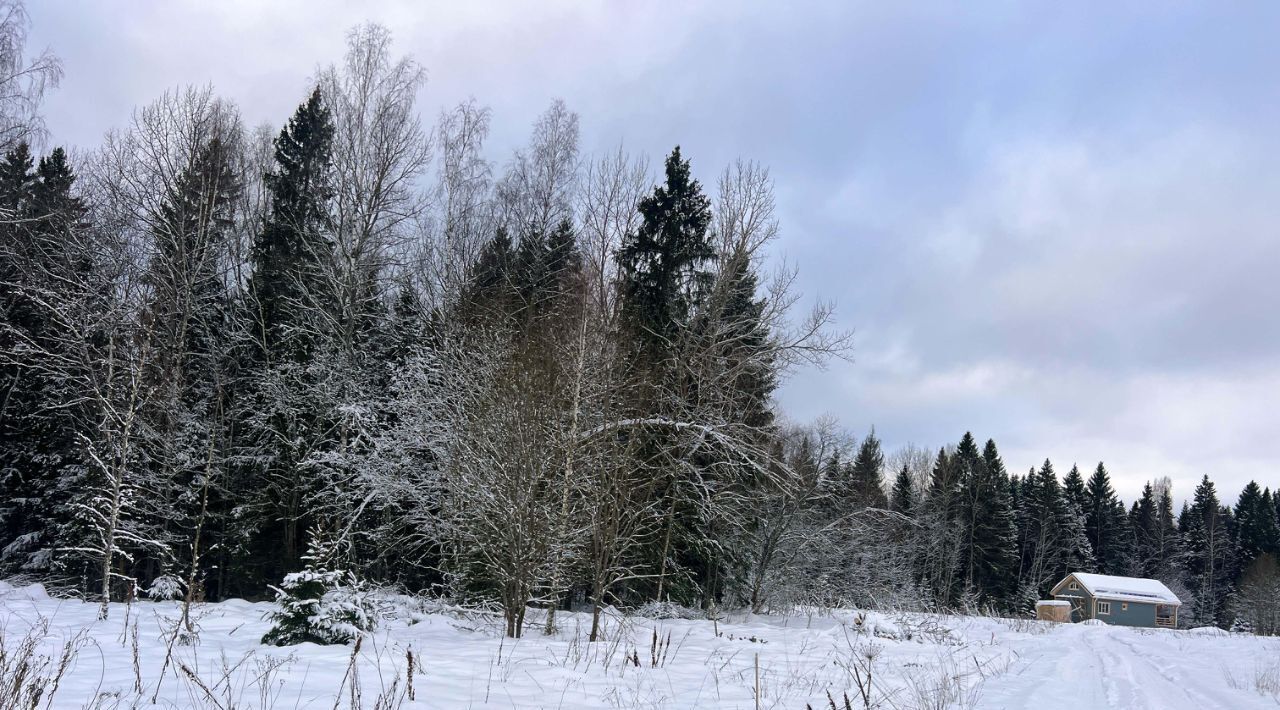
(353, 343)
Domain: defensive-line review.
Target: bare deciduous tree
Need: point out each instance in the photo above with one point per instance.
(608, 195)
(23, 80)
(536, 193)
(379, 152)
(461, 219)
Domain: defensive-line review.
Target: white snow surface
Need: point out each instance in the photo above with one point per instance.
(463, 661)
(1126, 588)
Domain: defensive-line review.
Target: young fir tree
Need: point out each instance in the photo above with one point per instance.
(321, 604)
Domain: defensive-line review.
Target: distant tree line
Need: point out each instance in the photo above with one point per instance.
(353, 345)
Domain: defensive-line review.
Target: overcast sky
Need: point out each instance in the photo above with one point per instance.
(1053, 225)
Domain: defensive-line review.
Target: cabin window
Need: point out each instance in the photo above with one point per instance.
(1104, 607)
(1124, 606)
(1074, 586)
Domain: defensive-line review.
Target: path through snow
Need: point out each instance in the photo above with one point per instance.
(1114, 667)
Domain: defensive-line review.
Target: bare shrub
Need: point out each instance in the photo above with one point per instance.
(28, 676)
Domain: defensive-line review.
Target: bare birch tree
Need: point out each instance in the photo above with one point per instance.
(461, 219)
(609, 193)
(379, 151)
(536, 193)
(23, 80)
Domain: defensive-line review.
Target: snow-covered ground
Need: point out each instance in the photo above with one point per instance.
(461, 661)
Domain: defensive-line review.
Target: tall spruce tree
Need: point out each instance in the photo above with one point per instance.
(1043, 512)
(664, 273)
(868, 475)
(1275, 498)
(664, 265)
(1254, 523)
(47, 279)
(989, 549)
(1104, 523)
(902, 499)
(290, 254)
(734, 331)
(1143, 522)
(1165, 547)
(1269, 530)
(1073, 488)
(1207, 554)
(288, 293)
(940, 514)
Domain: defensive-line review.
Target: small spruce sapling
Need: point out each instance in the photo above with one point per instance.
(318, 604)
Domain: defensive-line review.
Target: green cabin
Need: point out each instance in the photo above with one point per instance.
(1123, 601)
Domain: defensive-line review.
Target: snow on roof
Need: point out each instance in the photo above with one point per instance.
(1053, 602)
(1132, 589)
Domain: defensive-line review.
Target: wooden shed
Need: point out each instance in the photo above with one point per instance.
(1053, 610)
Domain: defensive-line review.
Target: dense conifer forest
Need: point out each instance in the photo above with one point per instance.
(354, 348)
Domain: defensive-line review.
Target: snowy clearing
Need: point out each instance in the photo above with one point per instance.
(460, 660)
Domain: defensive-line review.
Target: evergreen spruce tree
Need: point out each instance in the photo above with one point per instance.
(1275, 498)
(1073, 488)
(940, 517)
(737, 334)
(282, 417)
(903, 497)
(290, 254)
(1207, 554)
(1254, 523)
(1104, 520)
(664, 275)
(1043, 511)
(868, 475)
(1269, 530)
(664, 265)
(989, 549)
(46, 278)
(1143, 522)
(1077, 552)
(834, 483)
(21, 441)
(1164, 543)
(1052, 536)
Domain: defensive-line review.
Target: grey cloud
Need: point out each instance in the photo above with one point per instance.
(1052, 224)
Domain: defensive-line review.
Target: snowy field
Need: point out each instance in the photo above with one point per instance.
(460, 660)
